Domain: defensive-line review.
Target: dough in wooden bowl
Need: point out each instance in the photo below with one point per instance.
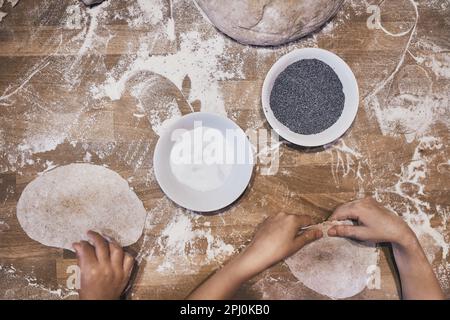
(335, 267)
(268, 22)
(60, 206)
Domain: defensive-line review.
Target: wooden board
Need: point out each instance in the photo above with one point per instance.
(80, 85)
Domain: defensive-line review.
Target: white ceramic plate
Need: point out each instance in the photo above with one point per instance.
(181, 193)
(350, 89)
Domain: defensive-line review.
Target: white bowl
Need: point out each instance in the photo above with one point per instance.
(181, 192)
(350, 89)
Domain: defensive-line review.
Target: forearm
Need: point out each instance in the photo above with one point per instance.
(416, 274)
(276, 238)
(224, 283)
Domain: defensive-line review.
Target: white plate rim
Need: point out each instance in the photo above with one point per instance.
(350, 88)
(224, 201)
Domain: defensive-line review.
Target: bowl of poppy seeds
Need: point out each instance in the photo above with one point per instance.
(310, 97)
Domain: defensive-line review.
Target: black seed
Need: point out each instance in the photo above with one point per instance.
(307, 97)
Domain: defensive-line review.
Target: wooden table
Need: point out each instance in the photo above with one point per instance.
(57, 60)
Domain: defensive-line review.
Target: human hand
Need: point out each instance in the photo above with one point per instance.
(374, 223)
(276, 239)
(105, 268)
(377, 224)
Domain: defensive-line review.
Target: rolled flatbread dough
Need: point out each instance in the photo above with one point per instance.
(268, 22)
(59, 207)
(332, 266)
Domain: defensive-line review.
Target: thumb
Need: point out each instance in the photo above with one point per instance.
(306, 237)
(348, 231)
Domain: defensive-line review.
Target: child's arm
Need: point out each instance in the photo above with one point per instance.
(105, 268)
(377, 224)
(277, 238)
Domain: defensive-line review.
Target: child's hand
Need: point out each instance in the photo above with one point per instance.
(375, 223)
(277, 238)
(105, 268)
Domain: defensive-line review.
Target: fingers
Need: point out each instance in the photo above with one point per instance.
(346, 231)
(346, 212)
(85, 253)
(303, 220)
(298, 220)
(116, 254)
(128, 263)
(307, 237)
(101, 246)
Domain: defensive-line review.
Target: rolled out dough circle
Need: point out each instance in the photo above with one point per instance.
(334, 267)
(268, 22)
(59, 207)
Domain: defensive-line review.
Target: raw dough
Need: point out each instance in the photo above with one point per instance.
(268, 22)
(334, 267)
(59, 207)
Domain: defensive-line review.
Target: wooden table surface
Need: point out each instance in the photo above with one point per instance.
(79, 85)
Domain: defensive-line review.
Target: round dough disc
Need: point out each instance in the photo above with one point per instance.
(59, 207)
(268, 22)
(334, 267)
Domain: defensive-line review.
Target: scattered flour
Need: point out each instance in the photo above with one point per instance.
(171, 29)
(74, 17)
(414, 173)
(153, 10)
(410, 111)
(4, 226)
(159, 113)
(348, 162)
(433, 57)
(182, 239)
(87, 157)
(49, 165)
(197, 57)
(179, 238)
(417, 210)
(172, 114)
(94, 14)
(13, 2)
(16, 284)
